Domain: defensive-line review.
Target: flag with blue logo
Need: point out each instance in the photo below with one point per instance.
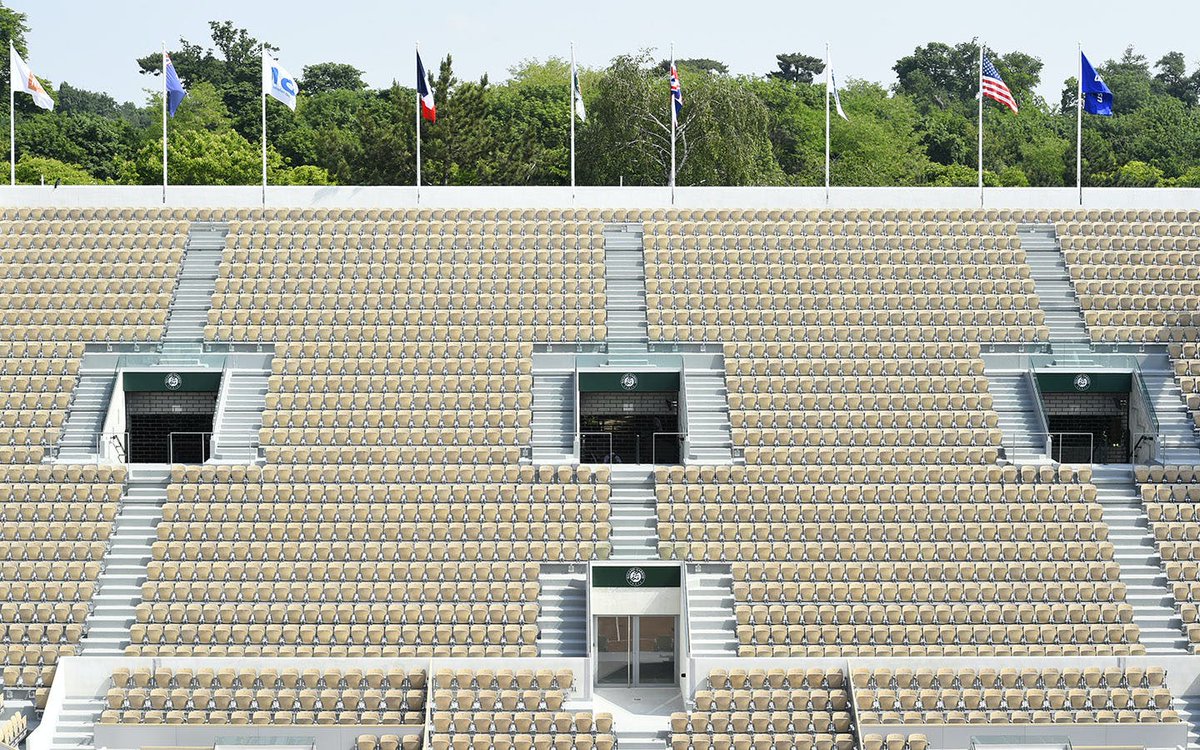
(676, 90)
(175, 90)
(279, 83)
(1097, 99)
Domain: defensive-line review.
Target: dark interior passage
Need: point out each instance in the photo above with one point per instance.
(630, 428)
(167, 427)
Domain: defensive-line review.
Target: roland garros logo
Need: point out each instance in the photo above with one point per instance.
(629, 381)
(635, 576)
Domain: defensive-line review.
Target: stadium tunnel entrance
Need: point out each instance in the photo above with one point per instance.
(169, 416)
(630, 418)
(1097, 417)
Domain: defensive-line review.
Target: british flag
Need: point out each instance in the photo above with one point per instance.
(994, 86)
(676, 90)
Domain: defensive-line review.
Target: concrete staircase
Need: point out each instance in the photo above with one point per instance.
(235, 431)
(562, 617)
(553, 420)
(710, 436)
(642, 739)
(1024, 438)
(74, 728)
(633, 519)
(197, 282)
(1052, 283)
(625, 287)
(1141, 565)
(1188, 708)
(85, 417)
(1177, 439)
(120, 583)
(711, 624)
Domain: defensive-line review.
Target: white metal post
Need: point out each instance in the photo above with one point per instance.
(417, 47)
(828, 80)
(572, 95)
(164, 120)
(981, 123)
(264, 127)
(671, 100)
(1079, 123)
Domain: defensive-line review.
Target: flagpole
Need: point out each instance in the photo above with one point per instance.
(981, 123)
(572, 95)
(264, 129)
(417, 46)
(1079, 123)
(827, 82)
(671, 100)
(12, 121)
(164, 119)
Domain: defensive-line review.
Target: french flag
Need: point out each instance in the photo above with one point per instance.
(428, 108)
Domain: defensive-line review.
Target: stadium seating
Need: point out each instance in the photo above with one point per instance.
(512, 709)
(13, 728)
(843, 561)
(795, 708)
(1137, 278)
(55, 521)
(1186, 359)
(225, 695)
(314, 556)
(64, 283)
(1009, 695)
(1171, 496)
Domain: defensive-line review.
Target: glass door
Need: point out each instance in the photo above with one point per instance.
(614, 650)
(656, 650)
(635, 650)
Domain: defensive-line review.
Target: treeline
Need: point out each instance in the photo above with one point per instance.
(735, 130)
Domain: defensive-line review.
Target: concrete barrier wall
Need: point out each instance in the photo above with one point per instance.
(961, 736)
(599, 197)
(198, 735)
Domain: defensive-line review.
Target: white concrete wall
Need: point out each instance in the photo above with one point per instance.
(600, 197)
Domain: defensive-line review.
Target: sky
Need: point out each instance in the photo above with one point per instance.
(93, 44)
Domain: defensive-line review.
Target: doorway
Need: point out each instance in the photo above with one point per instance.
(635, 651)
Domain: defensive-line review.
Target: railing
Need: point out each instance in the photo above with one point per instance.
(205, 444)
(591, 456)
(1078, 447)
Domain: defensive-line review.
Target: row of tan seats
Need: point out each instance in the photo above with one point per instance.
(1186, 361)
(1089, 695)
(506, 709)
(776, 708)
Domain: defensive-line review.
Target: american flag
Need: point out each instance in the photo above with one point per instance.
(994, 86)
(676, 90)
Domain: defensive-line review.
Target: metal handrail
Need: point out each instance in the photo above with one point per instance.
(654, 445)
(1060, 435)
(609, 455)
(206, 445)
(1137, 377)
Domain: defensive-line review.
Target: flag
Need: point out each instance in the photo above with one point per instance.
(175, 91)
(580, 112)
(23, 81)
(837, 99)
(676, 90)
(1097, 99)
(994, 86)
(428, 107)
(279, 83)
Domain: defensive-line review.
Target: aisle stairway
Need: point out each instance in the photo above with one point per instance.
(119, 587)
(1135, 551)
(633, 519)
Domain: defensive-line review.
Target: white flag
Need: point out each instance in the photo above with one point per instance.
(279, 83)
(580, 112)
(837, 99)
(24, 81)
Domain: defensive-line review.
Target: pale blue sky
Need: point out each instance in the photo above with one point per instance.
(93, 43)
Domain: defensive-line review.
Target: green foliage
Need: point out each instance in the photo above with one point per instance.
(734, 130)
(35, 170)
(330, 76)
(797, 67)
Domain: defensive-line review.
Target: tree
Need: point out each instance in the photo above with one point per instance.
(797, 67)
(1172, 79)
(37, 170)
(330, 76)
(704, 65)
(721, 137)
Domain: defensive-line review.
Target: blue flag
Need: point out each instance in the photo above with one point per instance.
(1097, 99)
(175, 92)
